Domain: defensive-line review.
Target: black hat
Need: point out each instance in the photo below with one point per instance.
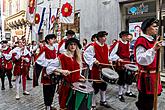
(123, 33)
(102, 34)
(147, 23)
(49, 36)
(4, 41)
(69, 41)
(70, 32)
(93, 37)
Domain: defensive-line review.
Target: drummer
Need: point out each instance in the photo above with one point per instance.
(94, 55)
(65, 63)
(121, 53)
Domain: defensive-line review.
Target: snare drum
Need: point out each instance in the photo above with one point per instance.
(131, 67)
(80, 97)
(108, 75)
(131, 71)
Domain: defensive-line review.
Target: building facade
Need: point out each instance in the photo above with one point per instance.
(115, 16)
(15, 24)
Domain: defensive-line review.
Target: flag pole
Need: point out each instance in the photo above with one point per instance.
(59, 23)
(158, 61)
(33, 23)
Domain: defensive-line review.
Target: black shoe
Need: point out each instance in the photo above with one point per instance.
(29, 78)
(121, 98)
(10, 86)
(26, 93)
(93, 108)
(2, 88)
(105, 104)
(20, 81)
(130, 94)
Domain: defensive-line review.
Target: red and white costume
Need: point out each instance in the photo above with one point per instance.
(7, 58)
(49, 53)
(94, 52)
(21, 59)
(146, 59)
(97, 52)
(65, 62)
(20, 67)
(120, 50)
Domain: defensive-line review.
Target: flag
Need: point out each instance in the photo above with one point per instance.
(42, 19)
(54, 16)
(38, 19)
(50, 15)
(31, 6)
(67, 11)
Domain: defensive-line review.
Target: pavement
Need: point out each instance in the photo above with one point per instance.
(35, 100)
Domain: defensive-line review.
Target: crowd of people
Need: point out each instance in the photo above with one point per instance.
(61, 65)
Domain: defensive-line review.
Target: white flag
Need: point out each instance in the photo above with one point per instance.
(67, 11)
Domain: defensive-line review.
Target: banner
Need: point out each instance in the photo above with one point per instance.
(67, 11)
(42, 19)
(38, 19)
(52, 16)
(31, 6)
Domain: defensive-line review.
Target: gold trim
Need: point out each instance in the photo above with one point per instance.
(21, 13)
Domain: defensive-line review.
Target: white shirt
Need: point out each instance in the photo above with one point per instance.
(7, 56)
(54, 64)
(33, 48)
(143, 56)
(41, 60)
(20, 53)
(113, 54)
(89, 55)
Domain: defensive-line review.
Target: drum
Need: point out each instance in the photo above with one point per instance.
(131, 67)
(109, 75)
(131, 72)
(80, 97)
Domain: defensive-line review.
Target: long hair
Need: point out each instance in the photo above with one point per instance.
(77, 53)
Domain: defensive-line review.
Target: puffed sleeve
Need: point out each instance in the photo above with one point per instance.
(89, 56)
(53, 65)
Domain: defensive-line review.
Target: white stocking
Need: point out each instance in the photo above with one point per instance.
(17, 84)
(120, 90)
(102, 96)
(94, 100)
(128, 88)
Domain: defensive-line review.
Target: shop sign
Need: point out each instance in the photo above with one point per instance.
(135, 29)
(138, 9)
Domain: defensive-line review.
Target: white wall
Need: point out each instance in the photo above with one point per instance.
(98, 15)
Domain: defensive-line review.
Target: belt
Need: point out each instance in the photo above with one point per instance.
(151, 71)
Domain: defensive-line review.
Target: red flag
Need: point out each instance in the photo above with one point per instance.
(31, 6)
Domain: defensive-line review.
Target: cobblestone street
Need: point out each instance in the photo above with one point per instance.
(35, 100)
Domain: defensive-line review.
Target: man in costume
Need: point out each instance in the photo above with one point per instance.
(145, 50)
(94, 55)
(21, 58)
(120, 53)
(6, 62)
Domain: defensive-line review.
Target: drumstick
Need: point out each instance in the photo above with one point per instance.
(128, 62)
(78, 70)
(96, 80)
(104, 64)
